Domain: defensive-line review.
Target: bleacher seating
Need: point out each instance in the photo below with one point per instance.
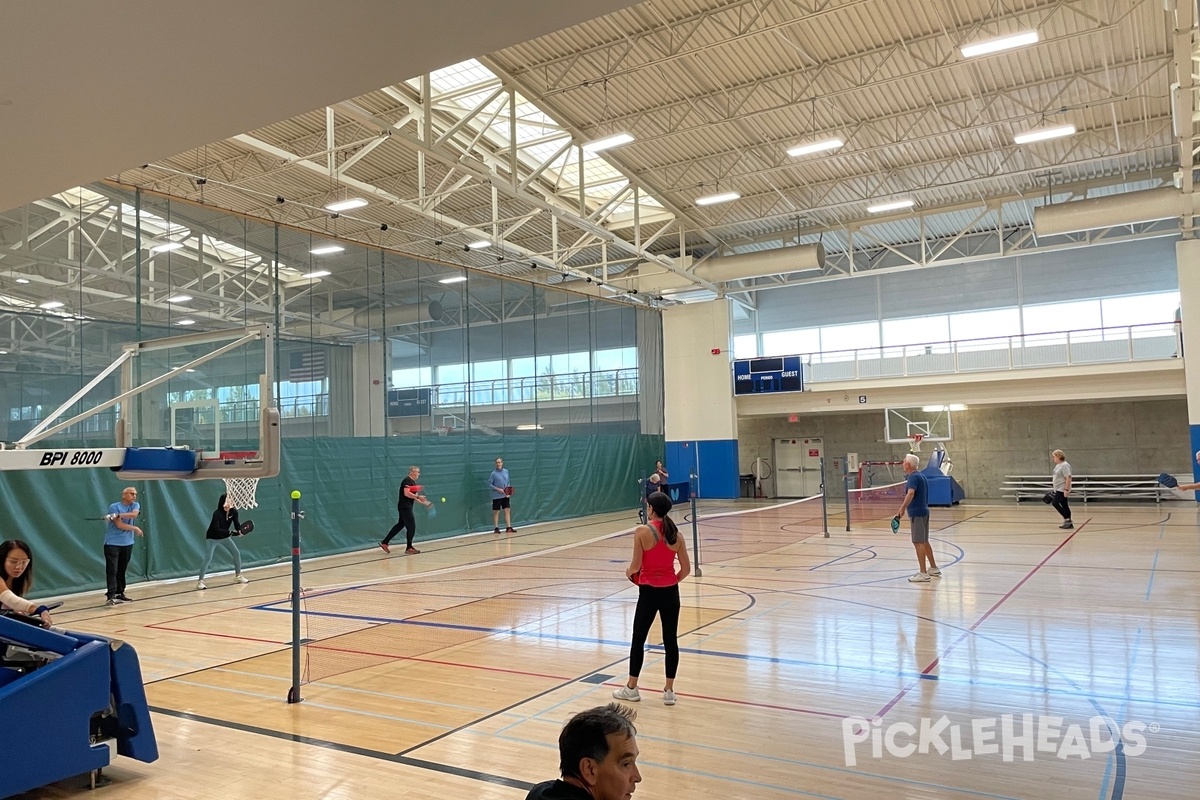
(1086, 488)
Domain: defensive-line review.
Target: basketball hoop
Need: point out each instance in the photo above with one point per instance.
(241, 491)
(916, 438)
(442, 430)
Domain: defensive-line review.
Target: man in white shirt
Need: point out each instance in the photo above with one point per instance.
(1061, 480)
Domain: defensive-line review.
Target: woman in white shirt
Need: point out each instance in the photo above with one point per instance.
(16, 578)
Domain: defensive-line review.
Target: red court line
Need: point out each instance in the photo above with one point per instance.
(163, 627)
(770, 706)
(929, 669)
(395, 657)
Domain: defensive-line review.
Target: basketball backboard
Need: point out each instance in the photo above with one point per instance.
(191, 406)
(209, 391)
(931, 423)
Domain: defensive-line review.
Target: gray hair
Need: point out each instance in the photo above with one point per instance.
(1060, 454)
(913, 460)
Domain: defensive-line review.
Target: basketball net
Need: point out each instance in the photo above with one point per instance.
(915, 447)
(241, 491)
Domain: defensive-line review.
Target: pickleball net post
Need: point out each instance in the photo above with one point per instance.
(297, 515)
(824, 502)
(695, 523)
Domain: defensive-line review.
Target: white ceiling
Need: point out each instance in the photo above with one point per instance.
(90, 89)
(714, 92)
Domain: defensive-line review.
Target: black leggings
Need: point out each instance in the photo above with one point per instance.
(407, 520)
(663, 601)
(1061, 505)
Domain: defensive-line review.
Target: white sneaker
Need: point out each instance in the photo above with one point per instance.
(934, 573)
(668, 697)
(244, 579)
(920, 577)
(200, 586)
(625, 693)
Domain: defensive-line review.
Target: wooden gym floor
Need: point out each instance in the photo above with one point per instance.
(450, 673)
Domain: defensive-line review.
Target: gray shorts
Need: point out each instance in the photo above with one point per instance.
(920, 529)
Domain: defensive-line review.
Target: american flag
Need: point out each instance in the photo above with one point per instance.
(306, 365)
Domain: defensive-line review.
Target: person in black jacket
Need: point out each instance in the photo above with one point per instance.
(221, 529)
(597, 754)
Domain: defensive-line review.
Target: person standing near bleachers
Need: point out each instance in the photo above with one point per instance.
(1061, 480)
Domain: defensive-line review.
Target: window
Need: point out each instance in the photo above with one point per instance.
(991, 324)
(488, 382)
(1043, 323)
(616, 358)
(412, 378)
(746, 346)
(926, 331)
(791, 343)
(452, 373)
(1154, 310)
(839, 341)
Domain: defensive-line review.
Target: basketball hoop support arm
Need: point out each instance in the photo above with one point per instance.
(33, 438)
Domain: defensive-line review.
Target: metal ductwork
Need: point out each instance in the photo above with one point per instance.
(780, 261)
(1106, 212)
(342, 320)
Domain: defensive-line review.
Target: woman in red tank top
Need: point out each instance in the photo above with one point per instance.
(656, 547)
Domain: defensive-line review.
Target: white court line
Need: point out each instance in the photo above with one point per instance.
(522, 556)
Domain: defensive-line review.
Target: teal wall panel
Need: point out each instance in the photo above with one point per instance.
(349, 488)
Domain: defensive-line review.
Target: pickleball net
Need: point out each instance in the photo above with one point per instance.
(526, 605)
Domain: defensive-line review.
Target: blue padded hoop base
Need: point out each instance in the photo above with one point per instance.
(159, 459)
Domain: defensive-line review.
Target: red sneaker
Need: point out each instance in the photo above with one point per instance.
(412, 551)
(386, 549)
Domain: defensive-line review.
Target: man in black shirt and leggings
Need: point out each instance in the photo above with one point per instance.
(409, 491)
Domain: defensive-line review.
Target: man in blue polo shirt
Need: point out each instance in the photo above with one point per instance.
(118, 544)
(501, 487)
(916, 502)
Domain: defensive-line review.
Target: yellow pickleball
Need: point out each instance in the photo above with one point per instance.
(443, 499)
(295, 494)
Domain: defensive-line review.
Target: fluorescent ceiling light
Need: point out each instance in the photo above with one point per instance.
(815, 147)
(938, 409)
(895, 205)
(608, 141)
(3, 352)
(1042, 134)
(186, 322)
(49, 304)
(163, 248)
(996, 45)
(326, 249)
(529, 427)
(180, 298)
(482, 244)
(346, 205)
(713, 199)
(453, 279)
(22, 280)
(321, 273)
(189, 369)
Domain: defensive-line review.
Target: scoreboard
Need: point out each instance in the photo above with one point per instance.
(765, 375)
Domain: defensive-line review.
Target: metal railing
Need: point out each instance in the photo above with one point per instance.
(1023, 351)
(539, 389)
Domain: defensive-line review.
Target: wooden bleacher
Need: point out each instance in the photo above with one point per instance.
(1086, 488)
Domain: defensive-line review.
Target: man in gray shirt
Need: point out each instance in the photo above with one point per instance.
(1061, 480)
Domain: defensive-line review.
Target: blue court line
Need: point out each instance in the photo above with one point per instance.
(1153, 567)
(452, 626)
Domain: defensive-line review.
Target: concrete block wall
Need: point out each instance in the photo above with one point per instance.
(1145, 436)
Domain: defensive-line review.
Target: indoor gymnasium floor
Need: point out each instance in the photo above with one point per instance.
(449, 674)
